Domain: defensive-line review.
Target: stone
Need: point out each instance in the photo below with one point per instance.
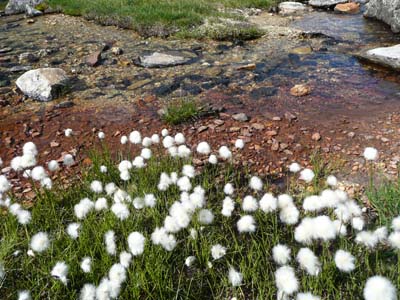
(5, 50)
(116, 51)
(161, 60)
(20, 6)
(241, 117)
(387, 56)
(27, 57)
(300, 90)
(325, 3)
(291, 8)
(316, 136)
(387, 11)
(17, 69)
(43, 84)
(93, 59)
(31, 12)
(348, 8)
(248, 67)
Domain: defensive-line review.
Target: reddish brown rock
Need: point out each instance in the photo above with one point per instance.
(300, 90)
(348, 8)
(93, 59)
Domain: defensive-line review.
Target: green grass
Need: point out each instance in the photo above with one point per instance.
(154, 17)
(157, 273)
(180, 111)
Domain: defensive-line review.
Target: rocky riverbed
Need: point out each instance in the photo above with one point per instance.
(347, 105)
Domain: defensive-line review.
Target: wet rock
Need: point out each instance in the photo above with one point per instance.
(31, 12)
(387, 11)
(387, 56)
(5, 50)
(116, 51)
(27, 57)
(247, 67)
(291, 8)
(17, 69)
(348, 8)
(300, 90)
(43, 84)
(19, 6)
(65, 104)
(301, 50)
(289, 116)
(325, 3)
(263, 92)
(93, 59)
(241, 117)
(161, 60)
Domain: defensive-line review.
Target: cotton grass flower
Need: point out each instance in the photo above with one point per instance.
(239, 144)
(24, 217)
(146, 153)
(179, 139)
(125, 259)
(88, 292)
(256, 183)
(155, 138)
(73, 230)
(225, 153)
(189, 261)
(203, 148)
(218, 251)
(103, 169)
(286, 280)
(268, 203)
(146, 142)
(228, 205)
(184, 151)
(40, 242)
(212, 159)
(68, 132)
(249, 204)
(28, 161)
(367, 238)
(135, 137)
(246, 224)
(101, 135)
(331, 181)
(395, 223)
(24, 295)
(38, 173)
(86, 264)
(96, 186)
(109, 240)
(184, 184)
(29, 148)
(289, 215)
(124, 140)
(83, 208)
(394, 240)
(53, 166)
(68, 160)
(294, 167)
(344, 261)
(138, 162)
(379, 287)
(307, 175)
(306, 296)
(229, 189)
(168, 142)
(357, 223)
(4, 184)
(60, 272)
(281, 254)
(205, 217)
(120, 210)
(370, 153)
(136, 242)
(188, 171)
(308, 261)
(235, 277)
(164, 132)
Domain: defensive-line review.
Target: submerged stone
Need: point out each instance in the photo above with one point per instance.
(161, 60)
(43, 84)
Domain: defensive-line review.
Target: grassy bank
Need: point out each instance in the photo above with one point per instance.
(154, 17)
(210, 250)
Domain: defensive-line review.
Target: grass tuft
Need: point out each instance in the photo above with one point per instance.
(181, 110)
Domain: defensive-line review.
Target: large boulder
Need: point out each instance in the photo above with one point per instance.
(20, 6)
(325, 3)
(386, 56)
(387, 11)
(43, 84)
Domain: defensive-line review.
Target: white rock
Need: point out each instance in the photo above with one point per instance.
(159, 60)
(43, 84)
(291, 8)
(325, 3)
(387, 11)
(388, 56)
